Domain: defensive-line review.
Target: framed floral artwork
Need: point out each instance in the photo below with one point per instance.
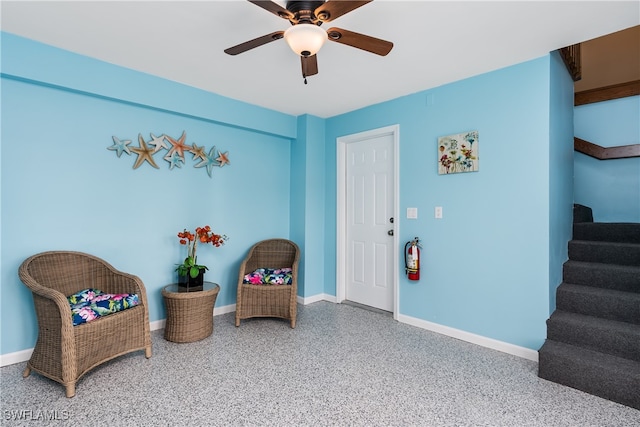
(458, 153)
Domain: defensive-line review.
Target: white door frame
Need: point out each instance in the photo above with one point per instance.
(341, 208)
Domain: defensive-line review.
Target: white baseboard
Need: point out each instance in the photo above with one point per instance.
(316, 298)
(17, 357)
(330, 298)
(25, 355)
(224, 310)
(157, 324)
(525, 353)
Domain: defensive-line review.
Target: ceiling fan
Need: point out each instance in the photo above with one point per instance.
(305, 37)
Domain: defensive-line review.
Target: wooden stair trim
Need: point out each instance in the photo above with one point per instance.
(607, 93)
(571, 57)
(606, 153)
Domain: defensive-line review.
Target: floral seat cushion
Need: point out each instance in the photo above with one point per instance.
(90, 304)
(269, 276)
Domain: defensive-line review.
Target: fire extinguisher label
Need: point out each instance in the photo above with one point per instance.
(413, 261)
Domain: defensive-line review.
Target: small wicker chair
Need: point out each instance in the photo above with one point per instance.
(63, 352)
(269, 301)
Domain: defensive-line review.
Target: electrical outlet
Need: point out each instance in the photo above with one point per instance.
(438, 212)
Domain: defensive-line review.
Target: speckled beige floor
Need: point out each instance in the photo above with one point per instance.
(342, 366)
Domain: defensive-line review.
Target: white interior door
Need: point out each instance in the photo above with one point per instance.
(369, 243)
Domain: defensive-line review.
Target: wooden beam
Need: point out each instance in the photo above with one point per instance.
(608, 153)
(607, 93)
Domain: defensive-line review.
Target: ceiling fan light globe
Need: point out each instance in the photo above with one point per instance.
(305, 39)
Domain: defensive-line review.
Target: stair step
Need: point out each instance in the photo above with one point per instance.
(619, 277)
(620, 339)
(599, 302)
(582, 213)
(622, 232)
(610, 377)
(605, 252)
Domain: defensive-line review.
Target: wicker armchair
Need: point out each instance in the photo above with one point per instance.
(63, 352)
(269, 301)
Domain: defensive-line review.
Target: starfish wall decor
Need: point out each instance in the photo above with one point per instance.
(175, 152)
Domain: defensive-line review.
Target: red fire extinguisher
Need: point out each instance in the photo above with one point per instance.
(412, 259)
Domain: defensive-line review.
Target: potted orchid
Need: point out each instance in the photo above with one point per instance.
(190, 270)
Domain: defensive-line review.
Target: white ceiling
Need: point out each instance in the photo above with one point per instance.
(434, 43)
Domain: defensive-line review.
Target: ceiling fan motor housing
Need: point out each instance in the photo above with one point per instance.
(304, 10)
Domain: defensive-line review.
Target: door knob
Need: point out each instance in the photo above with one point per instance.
(390, 232)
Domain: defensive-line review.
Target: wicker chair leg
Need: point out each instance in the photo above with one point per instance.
(293, 323)
(26, 372)
(70, 390)
(147, 352)
(237, 321)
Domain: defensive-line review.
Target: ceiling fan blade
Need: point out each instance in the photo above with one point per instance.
(274, 8)
(243, 47)
(360, 41)
(336, 8)
(309, 65)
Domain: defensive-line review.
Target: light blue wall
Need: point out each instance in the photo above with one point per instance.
(63, 190)
(486, 263)
(486, 267)
(298, 179)
(610, 187)
(39, 62)
(560, 171)
(308, 165)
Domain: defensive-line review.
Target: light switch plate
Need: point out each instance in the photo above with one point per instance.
(412, 213)
(438, 212)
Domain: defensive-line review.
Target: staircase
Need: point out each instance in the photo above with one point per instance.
(593, 337)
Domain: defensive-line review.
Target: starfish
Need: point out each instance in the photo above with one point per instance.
(174, 160)
(144, 153)
(119, 146)
(198, 152)
(223, 158)
(158, 142)
(178, 146)
(210, 161)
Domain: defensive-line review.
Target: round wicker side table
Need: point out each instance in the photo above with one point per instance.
(189, 314)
